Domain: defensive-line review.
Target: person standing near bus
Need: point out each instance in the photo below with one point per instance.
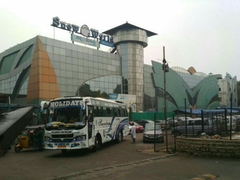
(133, 132)
(35, 138)
(40, 134)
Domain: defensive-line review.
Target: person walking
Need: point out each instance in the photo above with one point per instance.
(133, 132)
(35, 139)
(40, 138)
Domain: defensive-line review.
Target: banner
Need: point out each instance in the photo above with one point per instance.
(83, 40)
(128, 99)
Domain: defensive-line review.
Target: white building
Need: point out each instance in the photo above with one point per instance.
(227, 86)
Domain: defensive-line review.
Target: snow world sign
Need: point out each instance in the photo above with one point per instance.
(84, 31)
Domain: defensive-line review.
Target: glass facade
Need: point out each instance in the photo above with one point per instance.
(101, 87)
(23, 90)
(7, 85)
(85, 71)
(130, 44)
(7, 62)
(124, 54)
(27, 54)
(150, 101)
(14, 71)
(75, 64)
(191, 79)
(179, 86)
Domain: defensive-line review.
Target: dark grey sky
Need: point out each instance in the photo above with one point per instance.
(199, 33)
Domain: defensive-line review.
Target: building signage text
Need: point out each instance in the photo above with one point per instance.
(83, 40)
(56, 104)
(83, 30)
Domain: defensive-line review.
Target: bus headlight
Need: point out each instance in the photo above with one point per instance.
(48, 138)
(80, 138)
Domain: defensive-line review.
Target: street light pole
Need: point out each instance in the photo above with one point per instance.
(165, 69)
(231, 118)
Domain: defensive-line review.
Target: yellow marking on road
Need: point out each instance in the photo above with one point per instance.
(205, 177)
(210, 176)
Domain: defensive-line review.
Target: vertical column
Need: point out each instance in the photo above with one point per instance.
(130, 43)
(135, 72)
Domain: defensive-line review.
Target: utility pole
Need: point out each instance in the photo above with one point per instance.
(231, 118)
(185, 104)
(165, 69)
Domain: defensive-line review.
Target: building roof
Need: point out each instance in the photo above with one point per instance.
(128, 26)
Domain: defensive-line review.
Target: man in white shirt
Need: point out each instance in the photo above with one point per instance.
(133, 132)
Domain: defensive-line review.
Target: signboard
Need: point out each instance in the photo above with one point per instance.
(84, 30)
(83, 40)
(128, 99)
(106, 43)
(66, 103)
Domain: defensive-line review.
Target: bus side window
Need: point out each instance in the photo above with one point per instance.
(108, 112)
(119, 114)
(115, 112)
(112, 112)
(125, 112)
(96, 111)
(90, 114)
(122, 112)
(105, 113)
(101, 112)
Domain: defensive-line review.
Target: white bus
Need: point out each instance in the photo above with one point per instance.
(84, 122)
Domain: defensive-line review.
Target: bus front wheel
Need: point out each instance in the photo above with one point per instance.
(17, 149)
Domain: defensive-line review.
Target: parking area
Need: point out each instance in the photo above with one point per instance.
(50, 163)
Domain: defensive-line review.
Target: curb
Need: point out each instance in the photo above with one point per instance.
(72, 175)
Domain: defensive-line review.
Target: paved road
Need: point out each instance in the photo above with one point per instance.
(114, 161)
(51, 163)
(169, 168)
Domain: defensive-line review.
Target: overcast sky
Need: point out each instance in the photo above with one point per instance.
(204, 34)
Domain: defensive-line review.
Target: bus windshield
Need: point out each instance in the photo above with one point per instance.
(67, 114)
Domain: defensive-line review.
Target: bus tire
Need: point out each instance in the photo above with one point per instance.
(17, 149)
(120, 137)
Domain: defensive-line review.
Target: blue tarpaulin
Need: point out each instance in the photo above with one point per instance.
(198, 111)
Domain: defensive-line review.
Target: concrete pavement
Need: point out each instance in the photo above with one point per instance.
(52, 163)
(115, 161)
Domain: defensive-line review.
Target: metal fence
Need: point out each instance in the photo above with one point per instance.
(216, 123)
(209, 123)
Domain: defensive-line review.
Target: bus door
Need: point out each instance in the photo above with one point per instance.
(91, 127)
